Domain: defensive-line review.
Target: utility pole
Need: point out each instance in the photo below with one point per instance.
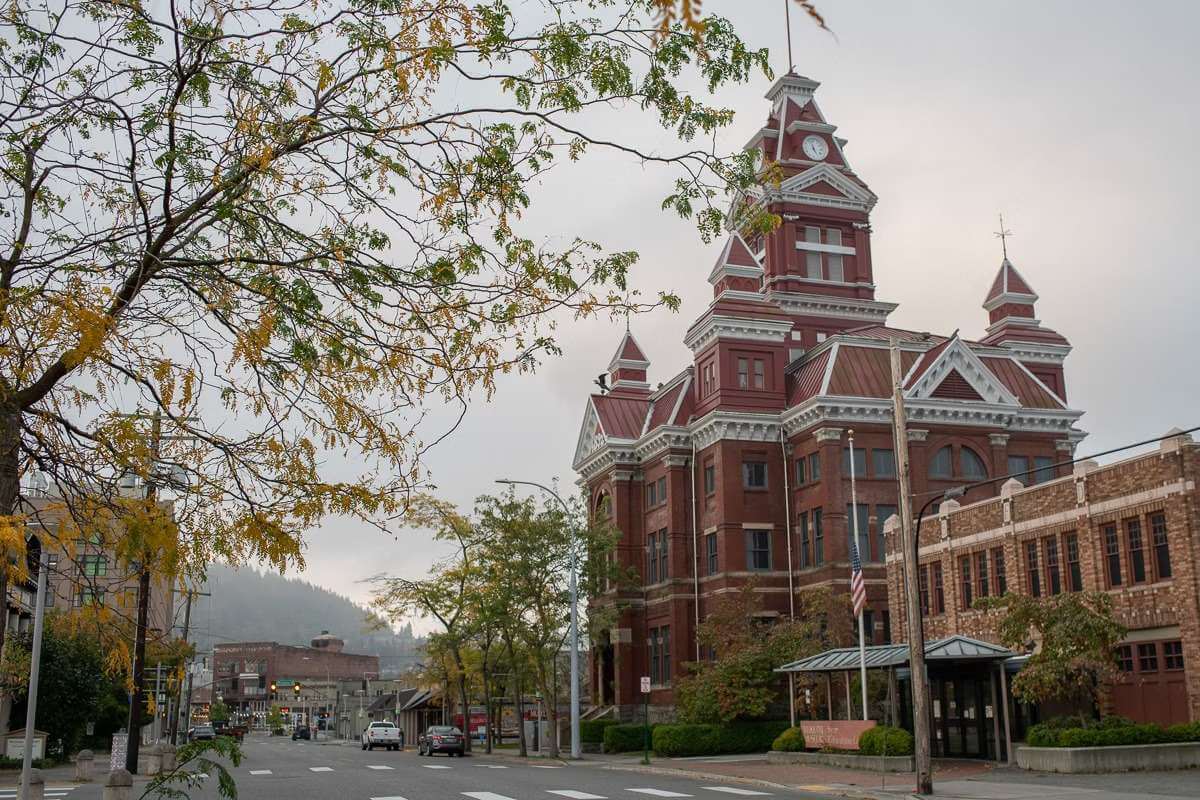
(908, 548)
(143, 613)
(185, 706)
(35, 664)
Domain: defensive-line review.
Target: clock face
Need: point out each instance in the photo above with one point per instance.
(815, 148)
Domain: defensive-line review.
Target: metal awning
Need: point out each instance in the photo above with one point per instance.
(952, 648)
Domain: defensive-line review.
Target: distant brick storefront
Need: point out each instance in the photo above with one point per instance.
(1130, 529)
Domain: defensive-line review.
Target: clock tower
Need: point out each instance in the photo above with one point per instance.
(817, 263)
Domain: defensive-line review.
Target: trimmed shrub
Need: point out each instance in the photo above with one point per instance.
(790, 741)
(1112, 732)
(591, 731)
(710, 740)
(1184, 732)
(625, 738)
(886, 740)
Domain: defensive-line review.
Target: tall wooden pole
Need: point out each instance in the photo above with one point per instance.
(908, 548)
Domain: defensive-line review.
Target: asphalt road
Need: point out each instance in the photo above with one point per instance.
(279, 768)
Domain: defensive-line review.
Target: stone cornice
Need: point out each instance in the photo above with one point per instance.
(830, 409)
(1036, 352)
(738, 426)
(826, 306)
(718, 326)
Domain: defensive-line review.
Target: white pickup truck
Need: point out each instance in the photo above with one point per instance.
(381, 734)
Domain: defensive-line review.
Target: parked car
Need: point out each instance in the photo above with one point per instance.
(441, 739)
(202, 733)
(301, 732)
(381, 734)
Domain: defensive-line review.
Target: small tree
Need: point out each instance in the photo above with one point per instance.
(275, 719)
(218, 712)
(1076, 635)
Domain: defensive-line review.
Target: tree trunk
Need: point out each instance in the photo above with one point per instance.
(487, 704)
(466, 708)
(10, 494)
(520, 698)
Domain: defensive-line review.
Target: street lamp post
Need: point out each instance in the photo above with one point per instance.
(575, 747)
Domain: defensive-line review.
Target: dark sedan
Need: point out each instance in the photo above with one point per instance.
(301, 732)
(441, 739)
(202, 733)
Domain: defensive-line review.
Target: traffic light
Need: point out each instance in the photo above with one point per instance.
(273, 686)
(296, 689)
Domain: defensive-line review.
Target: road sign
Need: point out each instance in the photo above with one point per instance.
(645, 684)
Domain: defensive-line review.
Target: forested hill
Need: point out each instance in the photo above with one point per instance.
(251, 606)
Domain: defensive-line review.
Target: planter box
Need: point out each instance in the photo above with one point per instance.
(1121, 758)
(848, 760)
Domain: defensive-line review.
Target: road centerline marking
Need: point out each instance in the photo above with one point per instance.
(659, 792)
(260, 772)
(377, 766)
(320, 769)
(736, 790)
(575, 794)
(435, 766)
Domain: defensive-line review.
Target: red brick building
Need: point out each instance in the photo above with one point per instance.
(736, 467)
(1130, 528)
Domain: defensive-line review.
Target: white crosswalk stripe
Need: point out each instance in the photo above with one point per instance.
(390, 797)
(486, 796)
(369, 766)
(320, 769)
(435, 766)
(575, 794)
(659, 792)
(736, 790)
(491, 766)
(544, 766)
(258, 771)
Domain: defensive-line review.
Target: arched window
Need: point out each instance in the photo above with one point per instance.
(942, 463)
(972, 465)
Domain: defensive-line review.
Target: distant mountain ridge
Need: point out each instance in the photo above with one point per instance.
(252, 606)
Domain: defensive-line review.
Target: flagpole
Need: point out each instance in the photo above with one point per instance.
(862, 646)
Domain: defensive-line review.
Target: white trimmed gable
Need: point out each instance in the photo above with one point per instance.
(591, 435)
(854, 195)
(957, 357)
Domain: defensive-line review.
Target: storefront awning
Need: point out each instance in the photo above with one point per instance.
(952, 648)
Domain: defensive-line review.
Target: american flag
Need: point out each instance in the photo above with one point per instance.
(858, 588)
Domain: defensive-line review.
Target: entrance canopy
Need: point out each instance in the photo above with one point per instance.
(950, 649)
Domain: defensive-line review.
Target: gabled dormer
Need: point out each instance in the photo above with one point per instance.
(737, 270)
(627, 370)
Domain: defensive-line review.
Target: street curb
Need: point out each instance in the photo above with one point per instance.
(825, 790)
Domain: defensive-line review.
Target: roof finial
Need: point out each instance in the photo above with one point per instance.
(1003, 235)
(787, 17)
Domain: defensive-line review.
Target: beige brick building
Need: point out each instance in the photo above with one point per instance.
(1130, 528)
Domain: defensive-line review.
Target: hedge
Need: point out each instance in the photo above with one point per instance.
(1109, 732)
(884, 740)
(591, 731)
(790, 741)
(625, 738)
(709, 740)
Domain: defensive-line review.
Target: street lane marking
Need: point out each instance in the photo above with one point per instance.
(491, 766)
(735, 790)
(537, 766)
(320, 769)
(390, 797)
(369, 766)
(659, 792)
(486, 796)
(435, 766)
(575, 794)
(258, 771)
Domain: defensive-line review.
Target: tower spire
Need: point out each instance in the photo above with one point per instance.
(787, 21)
(1003, 235)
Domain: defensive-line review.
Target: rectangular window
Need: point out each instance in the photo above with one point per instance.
(999, 568)
(760, 374)
(868, 618)
(1043, 469)
(1112, 554)
(651, 495)
(663, 561)
(1074, 573)
(1031, 569)
(1137, 553)
(836, 271)
(49, 593)
(665, 651)
(1125, 658)
(89, 597)
(754, 474)
(1162, 550)
(652, 559)
(652, 645)
(983, 586)
(94, 566)
(864, 531)
(833, 236)
(1173, 655)
(966, 588)
(1147, 657)
(1018, 466)
(814, 467)
(758, 550)
(818, 538)
(939, 592)
(805, 542)
(710, 479)
(923, 576)
(813, 260)
(710, 545)
(1053, 578)
(884, 463)
(887, 627)
(860, 462)
(743, 373)
(800, 464)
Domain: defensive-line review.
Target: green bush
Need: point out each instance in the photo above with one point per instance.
(591, 731)
(624, 738)
(708, 740)
(1111, 732)
(790, 741)
(885, 740)
(15, 763)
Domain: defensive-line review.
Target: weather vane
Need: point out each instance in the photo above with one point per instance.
(1003, 235)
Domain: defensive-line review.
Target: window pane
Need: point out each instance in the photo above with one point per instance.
(1147, 657)
(1045, 469)
(1137, 556)
(860, 462)
(1173, 655)
(972, 465)
(884, 463)
(711, 542)
(800, 471)
(1074, 573)
(1125, 658)
(864, 532)
(1001, 571)
(812, 267)
(1162, 550)
(1017, 467)
(1031, 569)
(710, 479)
(805, 542)
(814, 467)
(1112, 552)
(1052, 573)
(982, 585)
(760, 379)
(941, 465)
(818, 538)
(922, 575)
(939, 591)
(965, 588)
(836, 271)
(743, 373)
(833, 236)
(812, 235)
(754, 474)
(758, 550)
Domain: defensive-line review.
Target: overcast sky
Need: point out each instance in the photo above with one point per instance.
(1077, 120)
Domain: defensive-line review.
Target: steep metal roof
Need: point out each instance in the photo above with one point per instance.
(953, 648)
